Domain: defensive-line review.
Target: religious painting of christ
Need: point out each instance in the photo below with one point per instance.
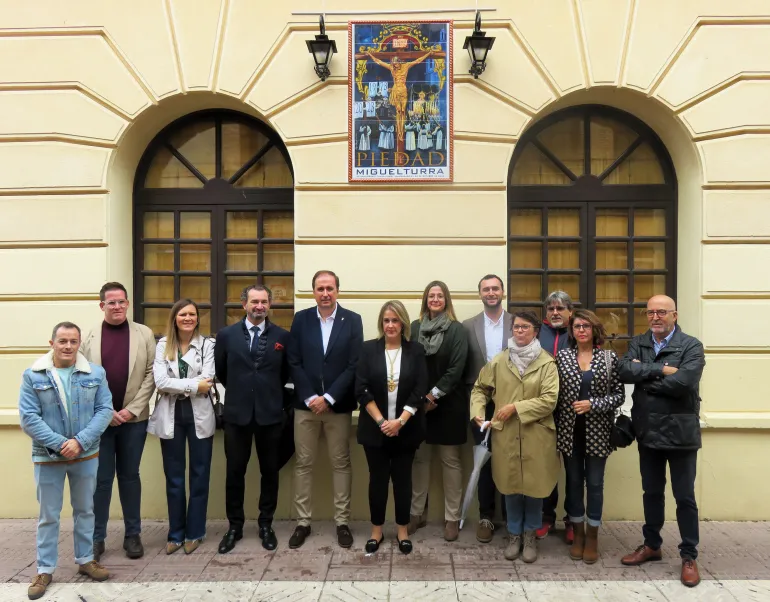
(401, 87)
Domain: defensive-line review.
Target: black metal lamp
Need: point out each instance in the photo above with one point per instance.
(322, 49)
(477, 45)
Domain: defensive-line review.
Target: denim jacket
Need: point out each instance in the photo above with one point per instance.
(43, 414)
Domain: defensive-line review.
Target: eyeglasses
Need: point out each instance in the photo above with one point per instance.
(555, 308)
(582, 327)
(661, 313)
(522, 327)
(114, 304)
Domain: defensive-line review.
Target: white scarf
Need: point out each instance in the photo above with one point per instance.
(522, 357)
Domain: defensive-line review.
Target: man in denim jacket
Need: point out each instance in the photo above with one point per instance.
(65, 405)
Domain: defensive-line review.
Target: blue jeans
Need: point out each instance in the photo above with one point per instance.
(588, 470)
(120, 450)
(187, 519)
(49, 478)
(524, 513)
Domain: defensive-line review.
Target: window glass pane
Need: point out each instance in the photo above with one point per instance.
(612, 222)
(565, 140)
(197, 288)
(159, 289)
(234, 314)
(609, 138)
(612, 289)
(155, 319)
(282, 288)
(647, 286)
(641, 167)
(236, 284)
(563, 255)
(619, 346)
(195, 258)
(195, 224)
(278, 258)
(271, 171)
(526, 222)
(197, 144)
(158, 225)
(563, 222)
(640, 320)
(282, 317)
(278, 224)
(239, 144)
(166, 171)
(533, 168)
(159, 257)
(242, 258)
(525, 287)
(650, 222)
(205, 321)
(566, 283)
(242, 224)
(611, 256)
(615, 319)
(526, 255)
(650, 255)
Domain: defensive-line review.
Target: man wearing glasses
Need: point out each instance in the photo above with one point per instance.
(665, 366)
(126, 351)
(553, 338)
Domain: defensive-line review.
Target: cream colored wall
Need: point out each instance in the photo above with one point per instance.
(85, 85)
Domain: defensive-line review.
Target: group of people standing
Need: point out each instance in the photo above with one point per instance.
(542, 388)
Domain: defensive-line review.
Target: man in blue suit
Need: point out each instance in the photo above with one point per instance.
(327, 341)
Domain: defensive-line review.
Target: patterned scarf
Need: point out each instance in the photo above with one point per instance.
(522, 357)
(432, 332)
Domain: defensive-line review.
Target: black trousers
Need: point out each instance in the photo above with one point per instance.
(238, 452)
(682, 465)
(391, 462)
(549, 505)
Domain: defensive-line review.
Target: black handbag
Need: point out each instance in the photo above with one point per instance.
(622, 433)
(216, 402)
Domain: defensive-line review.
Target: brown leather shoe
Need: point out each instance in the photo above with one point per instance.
(298, 537)
(690, 575)
(451, 530)
(415, 522)
(579, 541)
(641, 555)
(39, 585)
(591, 549)
(94, 570)
(485, 531)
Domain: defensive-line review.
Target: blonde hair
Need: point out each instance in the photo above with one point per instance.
(397, 308)
(172, 332)
(448, 309)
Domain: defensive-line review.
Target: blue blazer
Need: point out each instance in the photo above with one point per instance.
(334, 372)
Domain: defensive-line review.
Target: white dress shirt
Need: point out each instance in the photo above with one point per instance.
(394, 371)
(254, 330)
(493, 335)
(326, 333)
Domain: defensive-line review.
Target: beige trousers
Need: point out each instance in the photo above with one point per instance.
(307, 431)
(452, 472)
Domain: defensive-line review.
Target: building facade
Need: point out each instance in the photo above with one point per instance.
(612, 148)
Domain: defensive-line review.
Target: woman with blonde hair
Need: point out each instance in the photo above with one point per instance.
(184, 420)
(391, 380)
(446, 407)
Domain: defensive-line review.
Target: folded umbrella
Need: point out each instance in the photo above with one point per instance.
(481, 456)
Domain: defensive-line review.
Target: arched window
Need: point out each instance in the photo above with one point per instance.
(592, 211)
(213, 213)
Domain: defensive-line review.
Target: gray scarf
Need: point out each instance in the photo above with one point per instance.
(522, 357)
(432, 332)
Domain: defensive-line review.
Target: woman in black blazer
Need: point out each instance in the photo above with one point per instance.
(391, 381)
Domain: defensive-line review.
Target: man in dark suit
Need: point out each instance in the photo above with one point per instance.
(251, 359)
(488, 334)
(327, 340)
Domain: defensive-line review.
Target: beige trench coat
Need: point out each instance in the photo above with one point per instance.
(524, 455)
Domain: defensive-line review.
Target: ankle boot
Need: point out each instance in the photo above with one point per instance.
(576, 550)
(591, 549)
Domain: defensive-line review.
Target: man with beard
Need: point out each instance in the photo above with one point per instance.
(553, 338)
(251, 363)
(488, 334)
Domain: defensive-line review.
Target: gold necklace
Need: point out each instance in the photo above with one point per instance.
(392, 362)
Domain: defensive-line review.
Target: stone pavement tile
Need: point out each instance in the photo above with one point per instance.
(152, 592)
(558, 592)
(211, 591)
(422, 573)
(707, 591)
(57, 592)
(626, 591)
(733, 564)
(336, 591)
(288, 591)
(492, 573)
(424, 591)
(749, 591)
(671, 569)
(477, 591)
(236, 567)
(358, 573)
(181, 573)
(488, 556)
(297, 565)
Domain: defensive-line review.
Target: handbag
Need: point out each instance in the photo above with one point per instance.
(622, 433)
(213, 395)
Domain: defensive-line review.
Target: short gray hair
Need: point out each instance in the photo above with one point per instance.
(559, 297)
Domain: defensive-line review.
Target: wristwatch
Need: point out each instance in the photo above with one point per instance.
(401, 421)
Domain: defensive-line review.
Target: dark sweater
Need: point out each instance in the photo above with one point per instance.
(115, 352)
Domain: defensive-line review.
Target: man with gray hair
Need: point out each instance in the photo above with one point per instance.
(553, 338)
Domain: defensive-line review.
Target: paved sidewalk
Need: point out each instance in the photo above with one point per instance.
(734, 564)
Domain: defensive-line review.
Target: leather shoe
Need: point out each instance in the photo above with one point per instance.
(344, 536)
(133, 546)
(641, 555)
(373, 545)
(690, 575)
(404, 545)
(269, 540)
(228, 541)
(298, 537)
(98, 550)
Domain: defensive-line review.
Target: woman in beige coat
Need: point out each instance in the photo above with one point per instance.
(523, 383)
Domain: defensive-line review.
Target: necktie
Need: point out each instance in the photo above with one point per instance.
(254, 340)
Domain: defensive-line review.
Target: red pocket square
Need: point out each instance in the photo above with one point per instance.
(278, 347)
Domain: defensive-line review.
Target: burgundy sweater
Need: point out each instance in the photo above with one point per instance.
(115, 351)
